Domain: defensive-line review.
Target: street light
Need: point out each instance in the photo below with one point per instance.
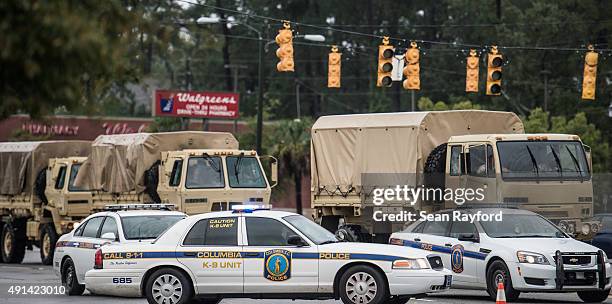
(213, 20)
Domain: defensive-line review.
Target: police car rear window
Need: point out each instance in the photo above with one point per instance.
(213, 232)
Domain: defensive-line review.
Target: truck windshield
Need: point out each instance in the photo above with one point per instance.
(543, 160)
(204, 172)
(522, 226)
(147, 226)
(244, 172)
(314, 232)
(73, 173)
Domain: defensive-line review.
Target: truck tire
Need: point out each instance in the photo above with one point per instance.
(349, 233)
(13, 242)
(363, 284)
(48, 238)
(595, 296)
(40, 184)
(151, 180)
(435, 169)
(499, 271)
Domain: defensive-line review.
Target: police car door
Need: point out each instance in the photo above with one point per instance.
(82, 247)
(212, 253)
(434, 237)
(274, 266)
(466, 258)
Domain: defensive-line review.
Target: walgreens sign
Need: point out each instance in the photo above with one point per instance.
(192, 104)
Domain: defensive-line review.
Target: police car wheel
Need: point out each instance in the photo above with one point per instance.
(69, 279)
(168, 285)
(594, 296)
(498, 271)
(363, 285)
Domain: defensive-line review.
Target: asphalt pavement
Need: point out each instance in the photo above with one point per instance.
(32, 273)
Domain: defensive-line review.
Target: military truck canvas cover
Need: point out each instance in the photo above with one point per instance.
(21, 162)
(117, 163)
(345, 146)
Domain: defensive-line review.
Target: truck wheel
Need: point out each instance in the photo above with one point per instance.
(151, 181)
(168, 285)
(13, 244)
(69, 279)
(597, 296)
(40, 184)
(48, 238)
(349, 233)
(362, 284)
(435, 168)
(498, 271)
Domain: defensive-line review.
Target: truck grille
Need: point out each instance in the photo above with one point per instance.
(435, 262)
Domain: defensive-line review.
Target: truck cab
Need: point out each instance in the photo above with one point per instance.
(545, 173)
(204, 180)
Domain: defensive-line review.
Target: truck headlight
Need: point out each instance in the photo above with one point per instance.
(531, 258)
(410, 264)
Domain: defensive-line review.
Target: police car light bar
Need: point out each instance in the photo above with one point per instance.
(124, 207)
(248, 208)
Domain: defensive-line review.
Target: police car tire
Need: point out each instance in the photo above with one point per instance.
(499, 267)
(594, 296)
(18, 239)
(382, 289)
(47, 230)
(73, 288)
(187, 288)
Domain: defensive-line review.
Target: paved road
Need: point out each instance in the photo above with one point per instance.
(31, 272)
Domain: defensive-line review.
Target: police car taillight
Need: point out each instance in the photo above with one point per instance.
(98, 260)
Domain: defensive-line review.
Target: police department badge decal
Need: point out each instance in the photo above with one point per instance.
(277, 265)
(457, 252)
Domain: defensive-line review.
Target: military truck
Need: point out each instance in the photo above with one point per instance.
(64, 182)
(27, 217)
(352, 155)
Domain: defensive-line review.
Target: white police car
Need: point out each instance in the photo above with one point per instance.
(133, 223)
(525, 250)
(254, 253)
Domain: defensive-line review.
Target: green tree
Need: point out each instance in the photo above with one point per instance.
(293, 151)
(537, 121)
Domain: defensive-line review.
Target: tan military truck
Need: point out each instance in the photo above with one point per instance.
(26, 214)
(196, 171)
(353, 155)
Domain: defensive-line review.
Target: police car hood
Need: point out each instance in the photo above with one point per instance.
(373, 249)
(543, 245)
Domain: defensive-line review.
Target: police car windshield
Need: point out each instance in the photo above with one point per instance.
(314, 232)
(147, 226)
(522, 226)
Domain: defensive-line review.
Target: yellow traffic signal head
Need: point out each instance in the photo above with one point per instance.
(333, 73)
(284, 39)
(385, 65)
(471, 78)
(590, 74)
(494, 72)
(412, 69)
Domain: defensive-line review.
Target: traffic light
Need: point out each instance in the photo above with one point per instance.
(284, 39)
(494, 72)
(412, 69)
(385, 65)
(471, 76)
(590, 74)
(333, 71)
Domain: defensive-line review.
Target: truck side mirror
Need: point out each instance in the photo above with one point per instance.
(274, 171)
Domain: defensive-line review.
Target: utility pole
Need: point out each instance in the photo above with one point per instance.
(260, 73)
(298, 106)
(235, 68)
(545, 73)
(412, 105)
(188, 84)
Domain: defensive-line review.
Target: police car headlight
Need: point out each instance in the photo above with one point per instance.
(410, 264)
(531, 258)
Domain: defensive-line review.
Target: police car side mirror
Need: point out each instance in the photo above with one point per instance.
(295, 240)
(468, 237)
(109, 236)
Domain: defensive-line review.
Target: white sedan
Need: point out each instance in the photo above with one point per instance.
(74, 252)
(254, 253)
(524, 250)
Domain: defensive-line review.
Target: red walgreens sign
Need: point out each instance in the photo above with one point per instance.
(196, 104)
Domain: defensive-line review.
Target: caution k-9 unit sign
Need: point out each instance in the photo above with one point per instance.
(193, 104)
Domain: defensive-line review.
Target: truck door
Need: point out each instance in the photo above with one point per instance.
(480, 166)
(56, 182)
(77, 199)
(455, 170)
(205, 185)
(171, 182)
